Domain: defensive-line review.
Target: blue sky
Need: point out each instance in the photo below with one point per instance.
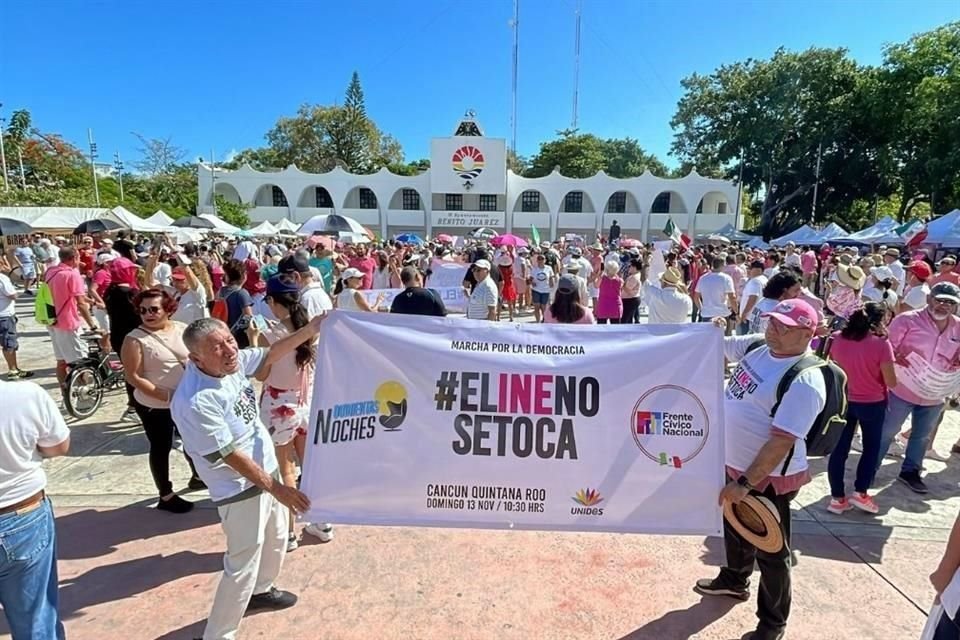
(217, 75)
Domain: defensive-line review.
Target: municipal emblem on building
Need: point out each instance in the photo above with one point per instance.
(467, 162)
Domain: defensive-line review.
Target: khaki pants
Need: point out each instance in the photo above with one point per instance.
(256, 530)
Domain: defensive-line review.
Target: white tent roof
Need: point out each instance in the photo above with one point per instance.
(219, 224)
(57, 218)
(880, 233)
(831, 232)
(804, 235)
(265, 228)
(287, 225)
(135, 222)
(160, 219)
(944, 230)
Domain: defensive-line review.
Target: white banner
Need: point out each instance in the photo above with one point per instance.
(446, 278)
(466, 423)
(454, 298)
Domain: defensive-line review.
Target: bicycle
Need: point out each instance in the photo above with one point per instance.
(89, 378)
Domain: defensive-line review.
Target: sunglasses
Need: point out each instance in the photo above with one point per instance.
(150, 310)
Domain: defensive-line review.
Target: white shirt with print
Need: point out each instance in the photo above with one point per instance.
(750, 395)
(217, 416)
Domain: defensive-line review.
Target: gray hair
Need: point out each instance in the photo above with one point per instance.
(198, 330)
(302, 253)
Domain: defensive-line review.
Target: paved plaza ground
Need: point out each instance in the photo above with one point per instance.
(130, 572)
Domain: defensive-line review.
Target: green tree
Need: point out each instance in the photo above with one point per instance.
(233, 213)
(582, 155)
(919, 98)
(778, 116)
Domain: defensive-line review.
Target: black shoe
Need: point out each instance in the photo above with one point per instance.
(764, 635)
(912, 480)
(176, 504)
(273, 599)
(196, 484)
(720, 587)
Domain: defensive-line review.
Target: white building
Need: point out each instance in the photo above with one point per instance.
(468, 185)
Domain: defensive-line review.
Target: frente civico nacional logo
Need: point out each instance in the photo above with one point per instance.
(670, 425)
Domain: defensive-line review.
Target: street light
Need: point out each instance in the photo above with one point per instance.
(3, 156)
(93, 165)
(118, 165)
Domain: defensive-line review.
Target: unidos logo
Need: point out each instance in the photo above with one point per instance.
(587, 499)
(670, 425)
(391, 398)
(467, 162)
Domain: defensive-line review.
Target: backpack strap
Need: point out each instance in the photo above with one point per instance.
(753, 346)
(809, 361)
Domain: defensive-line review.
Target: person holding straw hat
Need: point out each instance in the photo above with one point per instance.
(669, 303)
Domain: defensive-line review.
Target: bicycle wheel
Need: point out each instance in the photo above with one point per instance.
(84, 392)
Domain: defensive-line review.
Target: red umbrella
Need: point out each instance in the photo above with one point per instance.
(508, 239)
(630, 243)
(442, 237)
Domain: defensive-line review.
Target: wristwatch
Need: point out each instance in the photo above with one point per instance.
(743, 482)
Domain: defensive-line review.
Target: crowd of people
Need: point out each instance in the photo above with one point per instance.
(192, 325)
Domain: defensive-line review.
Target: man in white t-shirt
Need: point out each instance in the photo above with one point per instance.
(483, 300)
(715, 294)
(9, 341)
(767, 456)
(891, 258)
(216, 411)
(752, 294)
(917, 289)
(791, 258)
(31, 429)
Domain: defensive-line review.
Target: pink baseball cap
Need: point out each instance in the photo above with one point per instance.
(794, 313)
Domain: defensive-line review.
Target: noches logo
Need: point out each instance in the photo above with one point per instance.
(670, 425)
(587, 499)
(351, 421)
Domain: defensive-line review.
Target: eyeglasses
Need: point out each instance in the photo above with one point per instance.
(150, 310)
(944, 302)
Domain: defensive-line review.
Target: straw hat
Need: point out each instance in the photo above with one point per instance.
(851, 276)
(757, 521)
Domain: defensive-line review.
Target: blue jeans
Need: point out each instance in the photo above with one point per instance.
(924, 419)
(28, 574)
(869, 415)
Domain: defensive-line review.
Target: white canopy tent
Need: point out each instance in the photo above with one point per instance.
(880, 233)
(287, 225)
(831, 232)
(945, 230)
(160, 219)
(135, 222)
(219, 224)
(265, 228)
(64, 219)
(804, 235)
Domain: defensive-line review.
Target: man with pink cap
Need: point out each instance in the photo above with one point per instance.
(756, 448)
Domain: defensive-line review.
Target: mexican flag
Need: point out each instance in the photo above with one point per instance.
(913, 232)
(674, 234)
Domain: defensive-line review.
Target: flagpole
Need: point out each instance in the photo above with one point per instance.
(816, 184)
(736, 219)
(3, 158)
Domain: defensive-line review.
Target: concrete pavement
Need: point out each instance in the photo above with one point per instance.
(128, 571)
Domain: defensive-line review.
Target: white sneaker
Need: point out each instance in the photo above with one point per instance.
(323, 532)
(857, 443)
(292, 543)
(933, 454)
(897, 448)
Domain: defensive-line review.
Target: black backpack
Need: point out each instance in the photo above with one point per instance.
(829, 424)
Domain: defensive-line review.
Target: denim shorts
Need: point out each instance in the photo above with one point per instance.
(541, 298)
(8, 333)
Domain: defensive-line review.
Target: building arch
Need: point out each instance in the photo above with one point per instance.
(361, 197)
(668, 201)
(629, 203)
(269, 195)
(402, 199)
(522, 205)
(577, 201)
(227, 191)
(316, 197)
(714, 202)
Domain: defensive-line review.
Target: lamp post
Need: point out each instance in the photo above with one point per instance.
(118, 165)
(93, 165)
(3, 156)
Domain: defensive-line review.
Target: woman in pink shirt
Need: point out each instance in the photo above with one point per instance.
(630, 293)
(566, 307)
(609, 304)
(865, 354)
